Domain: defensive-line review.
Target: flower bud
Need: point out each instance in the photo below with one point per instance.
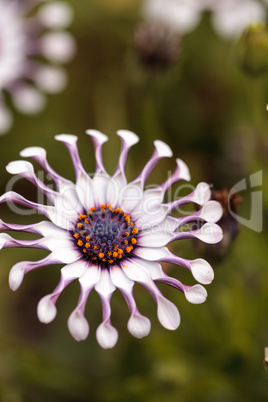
(253, 50)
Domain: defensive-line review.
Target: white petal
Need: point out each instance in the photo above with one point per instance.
(202, 271)
(66, 255)
(154, 269)
(56, 15)
(90, 277)
(19, 167)
(210, 233)
(98, 135)
(84, 189)
(152, 254)
(58, 46)
(163, 149)
(148, 220)
(155, 239)
(196, 294)
(114, 187)
(202, 193)
(131, 196)
(28, 99)
(211, 211)
(120, 280)
(107, 336)
(33, 152)
(68, 138)
(46, 310)
(74, 270)
(51, 79)
(6, 120)
(129, 137)
(78, 326)
(16, 276)
(184, 173)
(105, 286)
(100, 183)
(168, 314)
(139, 326)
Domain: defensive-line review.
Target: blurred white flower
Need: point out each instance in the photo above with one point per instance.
(229, 17)
(29, 34)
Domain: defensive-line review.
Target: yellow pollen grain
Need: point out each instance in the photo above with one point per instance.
(126, 234)
(80, 243)
(80, 225)
(102, 209)
(87, 245)
(92, 209)
(86, 220)
(115, 248)
(133, 241)
(109, 206)
(76, 235)
(110, 261)
(131, 224)
(128, 249)
(118, 210)
(127, 218)
(103, 206)
(87, 238)
(104, 259)
(109, 253)
(101, 255)
(82, 216)
(125, 242)
(82, 232)
(115, 254)
(84, 250)
(120, 251)
(135, 231)
(120, 256)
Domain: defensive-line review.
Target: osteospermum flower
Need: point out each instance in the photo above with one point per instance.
(111, 234)
(31, 48)
(229, 17)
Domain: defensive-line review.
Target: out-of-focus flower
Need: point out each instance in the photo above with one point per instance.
(253, 50)
(32, 45)
(156, 47)
(229, 17)
(111, 234)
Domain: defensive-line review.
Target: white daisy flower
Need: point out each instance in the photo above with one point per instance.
(229, 17)
(111, 234)
(32, 47)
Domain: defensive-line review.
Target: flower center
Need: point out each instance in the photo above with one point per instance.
(105, 236)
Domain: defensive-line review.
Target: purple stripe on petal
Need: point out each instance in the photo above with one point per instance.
(98, 140)
(38, 154)
(70, 141)
(162, 150)
(180, 173)
(128, 139)
(199, 196)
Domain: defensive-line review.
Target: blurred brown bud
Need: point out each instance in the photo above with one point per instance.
(157, 48)
(253, 50)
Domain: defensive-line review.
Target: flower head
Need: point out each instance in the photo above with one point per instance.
(25, 39)
(110, 234)
(229, 17)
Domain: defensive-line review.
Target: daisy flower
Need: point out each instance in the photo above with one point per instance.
(229, 17)
(33, 43)
(110, 234)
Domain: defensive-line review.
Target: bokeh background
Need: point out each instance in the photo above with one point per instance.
(214, 117)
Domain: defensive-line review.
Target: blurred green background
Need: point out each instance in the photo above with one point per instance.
(214, 118)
